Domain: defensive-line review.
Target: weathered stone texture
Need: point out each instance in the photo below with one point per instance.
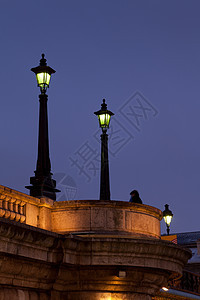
(76, 249)
(81, 215)
(97, 216)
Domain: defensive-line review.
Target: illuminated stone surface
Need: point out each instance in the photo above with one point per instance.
(92, 242)
(82, 215)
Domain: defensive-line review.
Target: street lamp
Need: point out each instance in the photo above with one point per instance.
(42, 183)
(104, 116)
(167, 215)
(43, 74)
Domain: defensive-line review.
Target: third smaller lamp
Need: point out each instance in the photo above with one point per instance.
(167, 216)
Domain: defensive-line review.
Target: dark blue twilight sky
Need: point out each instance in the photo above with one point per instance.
(144, 58)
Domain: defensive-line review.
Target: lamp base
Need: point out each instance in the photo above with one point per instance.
(43, 186)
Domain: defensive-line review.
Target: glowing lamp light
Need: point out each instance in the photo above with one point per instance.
(104, 116)
(43, 78)
(43, 74)
(165, 289)
(167, 216)
(104, 120)
(168, 220)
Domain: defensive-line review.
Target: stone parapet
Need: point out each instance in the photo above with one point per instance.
(90, 217)
(26, 209)
(95, 216)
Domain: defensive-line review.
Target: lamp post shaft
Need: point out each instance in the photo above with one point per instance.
(168, 229)
(104, 183)
(43, 161)
(42, 183)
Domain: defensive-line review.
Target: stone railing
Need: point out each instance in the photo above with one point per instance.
(23, 208)
(189, 282)
(12, 208)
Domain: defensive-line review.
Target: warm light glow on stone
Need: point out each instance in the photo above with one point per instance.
(106, 297)
(93, 215)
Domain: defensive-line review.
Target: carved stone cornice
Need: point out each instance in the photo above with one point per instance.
(39, 259)
(139, 252)
(21, 239)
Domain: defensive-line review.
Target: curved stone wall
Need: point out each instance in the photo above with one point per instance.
(105, 218)
(38, 264)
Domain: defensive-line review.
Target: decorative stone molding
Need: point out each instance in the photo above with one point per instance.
(11, 208)
(22, 208)
(23, 240)
(40, 260)
(138, 252)
(148, 265)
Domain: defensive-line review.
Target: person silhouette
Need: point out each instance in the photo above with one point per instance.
(135, 197)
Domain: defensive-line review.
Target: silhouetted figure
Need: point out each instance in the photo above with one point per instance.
(135, 197)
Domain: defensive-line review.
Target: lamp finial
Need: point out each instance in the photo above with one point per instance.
(104, 105)
(43, 61)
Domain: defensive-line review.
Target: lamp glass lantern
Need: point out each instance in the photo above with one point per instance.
(167, 215)
(104, 116)
(43, 74)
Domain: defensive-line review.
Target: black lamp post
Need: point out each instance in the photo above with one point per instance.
(42, 183)
(167, 215)
(104, 116)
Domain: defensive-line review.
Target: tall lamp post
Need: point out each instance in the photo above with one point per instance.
(42, 183)
(104, 116)
(167, 215)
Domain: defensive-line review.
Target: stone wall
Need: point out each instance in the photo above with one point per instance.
(36, 263)
(83, 216)
(86, 249)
